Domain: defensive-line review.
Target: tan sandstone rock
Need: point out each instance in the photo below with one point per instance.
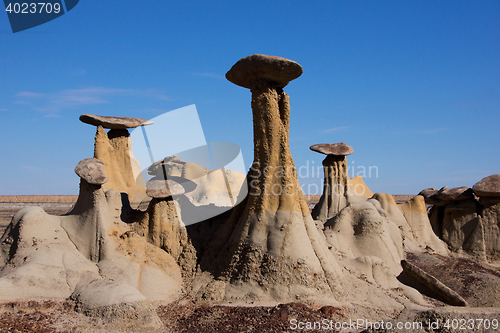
(415, 213)
(114, 150)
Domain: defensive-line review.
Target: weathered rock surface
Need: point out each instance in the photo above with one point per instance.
(163, 188)
(358, 187)
(335, 188)
(38, 260)
(488, 186)
(466, 223)
(163, 227)
(490, 220)
(455, 194)
(462, 228)
(433, 284)
(277, 71)
(114, 149)
(360, 230)
(415, 214)
(445, 195)
(117, 303)
(337, 149)
(92, 171)
(114, 122)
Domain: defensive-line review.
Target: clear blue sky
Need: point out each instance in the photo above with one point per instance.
(412, 86)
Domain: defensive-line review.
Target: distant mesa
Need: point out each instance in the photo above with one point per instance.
(276, 70)
(337, 149)
(114, 122)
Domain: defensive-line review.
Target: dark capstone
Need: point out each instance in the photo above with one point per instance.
(338, 149)
(276, 70)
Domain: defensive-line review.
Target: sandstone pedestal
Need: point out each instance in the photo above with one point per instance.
(270, 249)
(114, 149)
(335, 188)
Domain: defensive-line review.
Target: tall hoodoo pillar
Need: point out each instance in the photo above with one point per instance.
(271, 242)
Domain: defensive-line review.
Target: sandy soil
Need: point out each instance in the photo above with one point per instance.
(182, 316)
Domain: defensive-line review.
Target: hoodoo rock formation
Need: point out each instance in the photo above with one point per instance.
(89, 255)
(162, 225)
(270, 249)
(488, 191)
(468, 220)
(335, 186)
(114, 149)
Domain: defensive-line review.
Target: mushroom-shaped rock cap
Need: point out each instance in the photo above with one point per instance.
(163, 188)
(276, 70)
(157, 167)
(114, 122)
(92, 171)
(488, 187)
(337, 149)
(455, 194)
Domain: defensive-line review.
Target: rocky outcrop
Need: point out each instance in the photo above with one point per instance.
(433, 284)
(468, 219)
(92, 171)
(488, 190)
(488, 186)
(415, 214)
(207, 193)
(357, 186)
